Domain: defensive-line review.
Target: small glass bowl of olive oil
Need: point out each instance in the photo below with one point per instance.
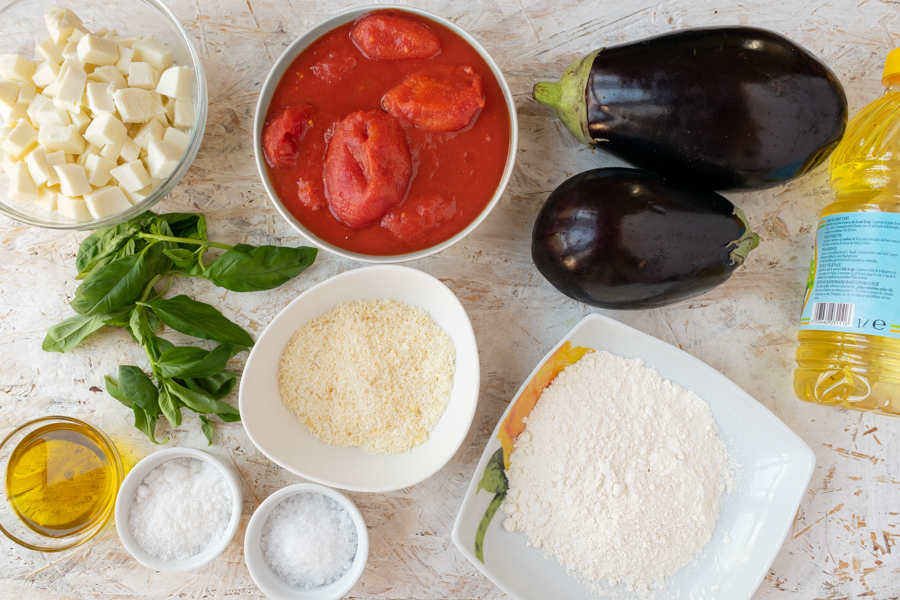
(60, 480)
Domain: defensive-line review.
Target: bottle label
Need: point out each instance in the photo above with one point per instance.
(853, 284)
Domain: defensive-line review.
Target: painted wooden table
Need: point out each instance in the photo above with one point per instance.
(843, 543)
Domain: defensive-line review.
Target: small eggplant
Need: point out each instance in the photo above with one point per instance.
(629, 239)
(725, 108)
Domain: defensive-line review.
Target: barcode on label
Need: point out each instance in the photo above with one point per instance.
(832, 313)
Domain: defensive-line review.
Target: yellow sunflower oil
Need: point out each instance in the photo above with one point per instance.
(849, 331)
(59, 480)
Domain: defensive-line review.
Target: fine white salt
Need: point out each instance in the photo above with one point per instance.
(309, 540)
(182, 507)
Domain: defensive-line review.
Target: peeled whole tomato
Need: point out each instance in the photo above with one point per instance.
(630, 239)
(725, 108)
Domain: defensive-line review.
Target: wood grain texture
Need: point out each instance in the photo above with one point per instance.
(843, 543)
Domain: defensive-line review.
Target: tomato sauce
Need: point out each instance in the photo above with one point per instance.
(464, 167)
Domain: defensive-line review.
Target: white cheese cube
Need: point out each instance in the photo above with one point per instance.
(40, 102)
(98, 169)
(80, 120)
(51, 90)
(61, 22)
(162, 158)
(49, 115)
(163, 121)
(70, 52)
(73, 208)
(54, 159)
(71, 89)
(132, 176)
(176, 82)
(151, 50)
(7, 163)
(177, 138)
(130, 150)
(100, 98)
(105, 130)
(57, 137)
(21, 186)
(127, 40)
(95, 50)
(49, 50)
(184, 114)
(4, 133)
(169, 104)
(109, 74)
(142, 75)
(138, 196)
(27, 94)
(101, 32)
(151, 130)
(136, 105)
(126, 55)
(46, 199)
(77, 33)
(109, 33)
(73, 180)
(46, 73)
(106, 201)
(20, 139)
(18, 113)
(16, 68)
(112, 151)
(9, 96)
(37, 165)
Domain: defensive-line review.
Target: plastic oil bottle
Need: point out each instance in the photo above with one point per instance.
(849, 332)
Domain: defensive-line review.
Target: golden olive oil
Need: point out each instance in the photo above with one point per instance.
(59, 480)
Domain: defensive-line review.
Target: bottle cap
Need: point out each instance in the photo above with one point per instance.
(891, 66)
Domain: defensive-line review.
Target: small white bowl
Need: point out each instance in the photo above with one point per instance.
(126, 497)
(274, 586)
(277, 433)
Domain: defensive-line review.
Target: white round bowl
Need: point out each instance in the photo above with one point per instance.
(282, 65)
(274, 586)
(126, 496)
(278, 434)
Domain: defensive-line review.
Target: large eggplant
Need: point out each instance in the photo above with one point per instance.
(629, 239)
(724, 108)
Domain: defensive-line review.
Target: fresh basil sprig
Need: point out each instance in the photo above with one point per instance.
(121, 267)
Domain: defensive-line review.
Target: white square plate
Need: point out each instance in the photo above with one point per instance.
(775, 468)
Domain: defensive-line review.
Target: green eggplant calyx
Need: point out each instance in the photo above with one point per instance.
(567, 97)
(744, 244)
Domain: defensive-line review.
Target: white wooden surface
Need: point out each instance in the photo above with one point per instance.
(843, 543)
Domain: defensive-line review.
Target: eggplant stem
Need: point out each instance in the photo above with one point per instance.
(567, 97)
(744, 244)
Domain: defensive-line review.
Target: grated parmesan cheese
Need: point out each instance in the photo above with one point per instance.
(371, 374)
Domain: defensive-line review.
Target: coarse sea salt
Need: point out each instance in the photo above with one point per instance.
(309, 540)
(182, 507)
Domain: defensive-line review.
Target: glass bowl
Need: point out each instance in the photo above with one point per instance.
(29, 536)
(22, 27)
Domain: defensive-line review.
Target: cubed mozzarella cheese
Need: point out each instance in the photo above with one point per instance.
(27, 94)
(100, 98)
(57, 137)
(136, 105)
(9, 96)
(106, 201)
(151, 130)
(105, 130)
(126, 55)
(73, 180)
(70, 52)
(16, 68)
(61, 22)
(142, 75)
(46, 199)
(18, 113)
(80, 120)
(98, 169)
(177, 138)
(21, 186)
(73, 208)
(132, 176)
(109, 74)
(20, 139)
(71, 89)
(184, 114)
(37, 165)
(49, 50)
(140, 195)
(130, 150)
(113, 151)
(54, 159)
(46, 73)
(151, 50)
(176, 82)
(162, 158)
(125, 40)
(95, 50)
(48, 114)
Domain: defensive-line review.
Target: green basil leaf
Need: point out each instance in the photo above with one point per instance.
(169, 405)
(120, 317)
(184, 362)
(207, 429)
(111, 286)
(252, 269)
(219, 385)
(178, 254)
(201, 403)
(134, 325)
(162, 343)
(138, 388)
(113, 390)
(146, 424)
(102, 243)
(67, 334)
(186, 225)
(199, 320)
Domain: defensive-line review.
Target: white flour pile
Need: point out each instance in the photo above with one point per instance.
(618, 474)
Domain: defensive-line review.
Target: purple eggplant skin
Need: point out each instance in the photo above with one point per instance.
(625, 239)
(725, 108)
